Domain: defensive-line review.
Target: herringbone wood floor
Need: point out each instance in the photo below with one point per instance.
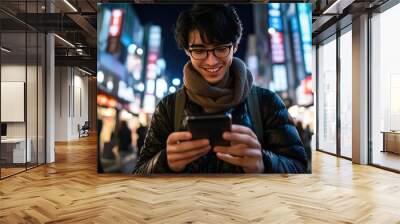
(70, 191)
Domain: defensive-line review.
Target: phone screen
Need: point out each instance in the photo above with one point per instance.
(210, 127)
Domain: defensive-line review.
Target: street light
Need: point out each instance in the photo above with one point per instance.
(176, 82)
(132, 48)
(110, 85)
(140, 87)
(172, 89)
(100, 77)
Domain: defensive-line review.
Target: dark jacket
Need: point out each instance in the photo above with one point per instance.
(282, 150)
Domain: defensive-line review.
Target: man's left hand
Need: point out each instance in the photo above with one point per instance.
(245, 149)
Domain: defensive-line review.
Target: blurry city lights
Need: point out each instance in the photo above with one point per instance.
(139, 51)
(112, 103)
(155, 37)
(136, 75)
(176, 81)
(271, 30)
(275, 5)
(100, 77)
(140, 87)
(151, 67)
(150, 86)
(125, 92)
(161, 63)
(279, 74)
(162, 87)
(110, 85)
(172, 89)
(125, 115)
(116, 21)
(149, 103)
(101, 100)
(132, 48)
(153, 57)
(109, 112)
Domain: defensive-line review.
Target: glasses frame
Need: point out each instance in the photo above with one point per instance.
(213, 52)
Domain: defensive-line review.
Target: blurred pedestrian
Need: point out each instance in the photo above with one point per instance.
(100, 147)
(124, 138)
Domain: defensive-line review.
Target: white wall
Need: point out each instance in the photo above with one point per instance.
(13, 73)
(71, 94)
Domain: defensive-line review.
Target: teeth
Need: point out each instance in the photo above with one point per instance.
(212, 70)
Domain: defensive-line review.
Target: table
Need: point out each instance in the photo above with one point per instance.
(391, 141)
(13, 150)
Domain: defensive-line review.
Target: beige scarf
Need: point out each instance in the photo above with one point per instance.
(232, 90)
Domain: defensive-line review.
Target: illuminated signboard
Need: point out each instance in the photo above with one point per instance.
(114, 31)
(152, 67)
(153, 51)
(275, 33)
(279, 77)
(277, 48)
(274, 19)
(304, 12)
(296, 39)
(116, 23)
(155, 38)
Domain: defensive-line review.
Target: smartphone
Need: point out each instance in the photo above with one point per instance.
(210, 127)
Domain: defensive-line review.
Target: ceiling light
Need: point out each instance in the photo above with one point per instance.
(65, 41)
(84, 71)
(337, 7)
(70, 5)
(5, 49)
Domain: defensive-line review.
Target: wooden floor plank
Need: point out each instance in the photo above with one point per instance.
(70, 191)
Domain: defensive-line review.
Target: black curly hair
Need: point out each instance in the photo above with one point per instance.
(216, 24)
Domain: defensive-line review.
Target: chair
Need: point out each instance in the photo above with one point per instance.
(84, 130)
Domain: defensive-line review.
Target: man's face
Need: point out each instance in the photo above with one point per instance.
(211, 67)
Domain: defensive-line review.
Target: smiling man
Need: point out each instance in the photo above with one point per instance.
(215, 82)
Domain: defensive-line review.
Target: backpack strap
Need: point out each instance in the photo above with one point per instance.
(180, 100)
(254, 109)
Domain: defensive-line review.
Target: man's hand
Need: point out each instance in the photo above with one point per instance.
(245, 150)
(181, 150)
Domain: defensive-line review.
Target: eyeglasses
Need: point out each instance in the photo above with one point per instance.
(219, 52)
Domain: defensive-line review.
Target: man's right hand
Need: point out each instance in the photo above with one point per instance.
(181, 150)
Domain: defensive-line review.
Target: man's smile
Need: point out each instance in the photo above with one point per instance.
(212, 69)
